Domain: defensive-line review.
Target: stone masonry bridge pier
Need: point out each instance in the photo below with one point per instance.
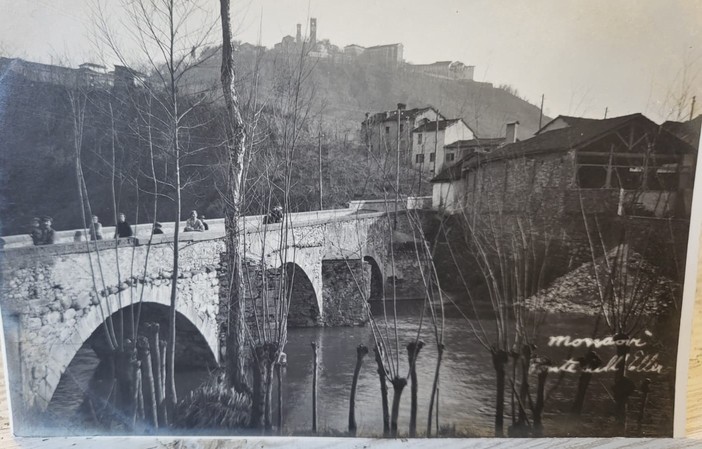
(56, 299)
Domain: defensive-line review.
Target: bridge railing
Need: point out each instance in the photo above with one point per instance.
(406, 203)
(249, 223)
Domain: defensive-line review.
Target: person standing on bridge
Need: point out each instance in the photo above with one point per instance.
(193, 223)
(123, 229)
(35, 231)
(95, 229)
(277, 214)
(47, 236)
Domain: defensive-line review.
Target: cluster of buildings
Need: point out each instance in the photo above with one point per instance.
(382, 55)
(623, 165)
(387, 56)
(428, 139)
(626, 166)
(86, 75)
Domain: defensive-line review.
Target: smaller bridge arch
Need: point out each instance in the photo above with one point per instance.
(377, 280)
(303, 302)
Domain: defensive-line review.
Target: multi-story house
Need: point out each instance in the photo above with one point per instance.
(431, 140)
(379, 131)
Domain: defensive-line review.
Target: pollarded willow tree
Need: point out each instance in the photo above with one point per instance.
(510, 239)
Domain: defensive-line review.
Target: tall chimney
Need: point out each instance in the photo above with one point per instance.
(298, 36)
(511, 134)
(313, 31)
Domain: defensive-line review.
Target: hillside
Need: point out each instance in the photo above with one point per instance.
(346, 92)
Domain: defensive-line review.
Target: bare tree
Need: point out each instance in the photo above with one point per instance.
(169, 45)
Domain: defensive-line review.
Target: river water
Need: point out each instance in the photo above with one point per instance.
(466, 387)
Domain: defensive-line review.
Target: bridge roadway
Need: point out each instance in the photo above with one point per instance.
(56, 298)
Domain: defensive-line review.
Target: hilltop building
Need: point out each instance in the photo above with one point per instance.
(454, 70)
(87, 74)
(390, 55)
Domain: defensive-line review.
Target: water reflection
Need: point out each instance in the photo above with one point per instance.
(466, 386)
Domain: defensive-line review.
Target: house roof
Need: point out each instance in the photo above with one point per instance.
(569, 120)
(388, 116)
(449, 172)
(476, 144)
(442, 124)
(580, 133)
(383, 46)
(688, 131)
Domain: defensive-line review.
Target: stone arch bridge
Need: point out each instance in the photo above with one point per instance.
(55, 298)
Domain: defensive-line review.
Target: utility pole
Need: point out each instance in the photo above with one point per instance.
(606, 111)
(436, 144)
(692, 107)
(400, 107)
(541, 111)
(319, 147)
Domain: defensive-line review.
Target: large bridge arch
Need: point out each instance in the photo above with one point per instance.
(61, 351)
(90, 370)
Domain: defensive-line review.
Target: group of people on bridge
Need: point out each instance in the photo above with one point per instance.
(42, 233)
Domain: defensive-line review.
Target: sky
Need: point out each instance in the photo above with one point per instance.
(584, 56)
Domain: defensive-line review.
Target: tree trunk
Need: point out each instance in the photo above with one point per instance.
(259, 389)
(413, 349)
(539, 406)
(645, 388)
(588, 362)
(434, 387)
(171, 396)
(521, 428)
(271, 357)
(499, 360)
(126, 382)
(162, 347)
(149, 386)
(137, 399)
(398, 384)
(152, 332)
(623, 386)
(314, 388)
(279, 375)
(236, 137)
(361, 352)
(382, 374)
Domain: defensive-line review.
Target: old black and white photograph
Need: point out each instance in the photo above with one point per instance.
(378, 219)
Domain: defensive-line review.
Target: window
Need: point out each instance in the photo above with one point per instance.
(450, 157)
(627, 178)
(592, 177)
(387, 130)
(663, 178)
(419, 137)
(432, 157)
(419, 158)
